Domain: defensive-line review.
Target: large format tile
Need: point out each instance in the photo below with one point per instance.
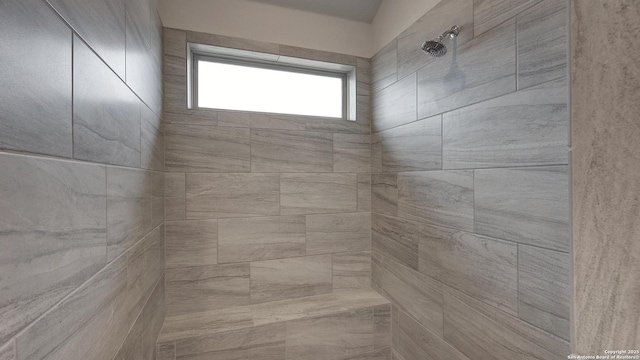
(35, 114)
(264, 238)
(318, 55)
(384, 194)
(526, 205)
(232, 42)
(396, 239)
(256, 120)
(153, 316)
(333, 233)
(291, 151)
(191, 243)
(384, 66)
(194, 148)
(317, 193)
(351, 153)
(484, 268)
(152, 140)
(395, 105)
(364, 191)
(290, 278)
(481, 69)
(132, 348)
(106, 114)
(489, 13)
(174, 196)
(525, 128)
(413, 147)
(231, 195)
(52, 234)
(351, 271)
(8, 352)
(166, 351)
(204, 323)
(157, 198)
(438, 197)
(174, 49)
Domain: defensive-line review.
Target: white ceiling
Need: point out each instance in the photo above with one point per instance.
(358, 10)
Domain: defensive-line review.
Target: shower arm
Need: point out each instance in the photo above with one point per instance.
(451, 33)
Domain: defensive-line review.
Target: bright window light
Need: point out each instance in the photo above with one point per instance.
(258, 88)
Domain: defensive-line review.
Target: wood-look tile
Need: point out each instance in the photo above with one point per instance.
(334, 233)
(364, 191)
(545, 289)
(290, 278)
(291, 151)
(106, 114)
(384, 194)
(166, 351)
(145, 266)
(199, 289)
(376, 153)
(542, 43)
(384, 66)
(317, 193)
(157, 198)
(255, 239)
(132, 348)
(205, 323)
(174, 48)
(8, 352)
(191, 243)
(174, 99)
(395, 105)
(417, 342)
(351, 153)
(414, 293)
(318, 55)
(152, 140)
(153, 316)
(195, 117)
(232, 42)
(526, 205)
(396, 239)
(195, 148)
(382, 354)
(395, 326)
(174, 196)
(438, 197)
(52, 234)
(232, 195)
(351, 271)
(481, 69)
(481, 331)
(526, 128)
(255, 120)
(482, 267)
(382, 326)
(490, 13)
(37, 70)
(413, 147)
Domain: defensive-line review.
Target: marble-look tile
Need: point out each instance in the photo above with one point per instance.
(151, 141)
(255, 120)
(191, 243)
(364, 191)
(438, 197)
(481, 69)
(153, 316)
(481, 331)
(333, 233)
(384, 194)
(317, 193)
(232, 42)
(157, 198)
(488, 14)
(145, 266)
(351, 153)
(101, 23)
(198, 289)
(440, 18)
(482, 267)
(351, 271)
(132, 348)
(291, 151)
(174, 98)
(265, 238)
(318, 55)
(174, 196)
(542, 43)
(195, 117)
(232, 195)
(376, 153)
(178, 327)
(395, 105)
(414, 293)
(166, 351)
(129, 202)
(384, 66)
(174, 48)
(413, 147)
(526, 128)
(194, 148)
(106, 114)
(396, 239)
(8, 352)
(526, 205)
(545, 289)
(382, 326)
(290, 278)
(37, 70)
(52, 234)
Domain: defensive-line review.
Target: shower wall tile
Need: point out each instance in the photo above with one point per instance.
(376, 153)
(152, 140)
(174, 196)
(52, 234)
(153, 317)
(203, 288)
(255, 239)
(37, 70)
(384, 194)
(490, 13)
(194, 148)
(106, 113)
(364, 191)
(395, 105)
(157, 198)
(174, 43)
(132, 347)
(195, 117)
(289, 122)
(384, 66)
(481, 69)
(351, 153)
(318, 55)
(191, 243)
(166, 351)
(351, 271)
(232, 195)
(396, 239)
(413, 147)
(317, 193)
(8, 352)
(334, 233)
(527, 205)
(291, 151)
(232, 42)
(174, 99)
(192, 325)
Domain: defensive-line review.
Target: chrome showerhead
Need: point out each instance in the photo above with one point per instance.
(436, 48)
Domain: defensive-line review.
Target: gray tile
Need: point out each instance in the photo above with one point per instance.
(482, 267)
(232, 42)
(333, 233)
(317, 193)
(153, 317)
(384, 194)
(413, 147)
(37, 70)
(132, 348)
(395, 105)
(545, 289)
(166, 351)
(254, 239)
(8, 352)
(152, 141)
(174, 99)
(351, 153)
(526, 205)
(481, 69)
(195, 117)
(194, 148)
(255, 120)
(395, 238)
(232, 195)
(384, 66)
(106, 114)
(191, 243)
(174, 43)
(417, 342)
(376, 153)
(318, 55)
(351, 271)
(364, 191)
(199, 324)
(290, 278)
(101, 23)
(157, 198)
(198, 289)
(525, 128)
(174, 196)
(291, 151)
(490, 13)
(438, 197)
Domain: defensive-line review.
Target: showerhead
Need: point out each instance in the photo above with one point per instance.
(436, 48)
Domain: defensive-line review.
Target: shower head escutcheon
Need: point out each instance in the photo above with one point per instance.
(435, 47)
